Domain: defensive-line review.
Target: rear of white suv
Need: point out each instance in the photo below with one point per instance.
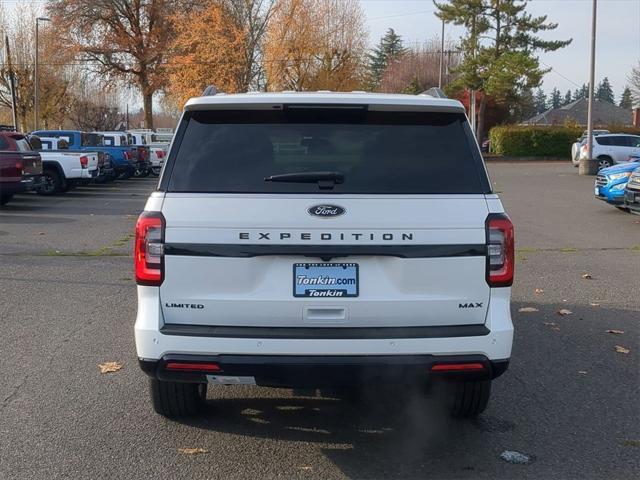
(323, 240)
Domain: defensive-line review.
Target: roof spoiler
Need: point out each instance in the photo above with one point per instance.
(210, 91)
(435, 92)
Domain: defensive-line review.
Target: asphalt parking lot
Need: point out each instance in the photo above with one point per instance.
(569, 400)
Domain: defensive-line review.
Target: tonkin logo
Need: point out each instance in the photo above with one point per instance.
(326, 211)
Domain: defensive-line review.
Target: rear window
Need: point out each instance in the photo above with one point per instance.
(22, 144)
(91, 140)
(375, 152)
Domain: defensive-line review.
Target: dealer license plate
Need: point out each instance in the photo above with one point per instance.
(329, 280)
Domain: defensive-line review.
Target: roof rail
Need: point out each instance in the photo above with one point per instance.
(7, 128)
(210, 91)
(435, 92)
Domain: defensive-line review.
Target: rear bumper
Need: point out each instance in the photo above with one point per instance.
(156, 340)
(323, 371)
(28, 183)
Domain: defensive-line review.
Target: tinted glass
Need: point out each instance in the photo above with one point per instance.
(22, 144)
(603, 140)
(376, 152)
(91, 140)
(633, 141)
(3, 143)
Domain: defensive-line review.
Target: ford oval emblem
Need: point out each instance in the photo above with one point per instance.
(326, 211)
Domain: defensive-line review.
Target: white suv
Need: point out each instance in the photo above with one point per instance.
(323, 240)
(612, 149)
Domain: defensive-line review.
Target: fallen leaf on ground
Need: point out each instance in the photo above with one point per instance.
(616, 332)
(564, 311)
(631, 443)
(621, 349)
(594, 304)
(192, 451)
(539, 290)
(587, 276)
(41, 233)
(527, 309)
(306, 467)
(582, 372)
(553, 325)
(109, 367)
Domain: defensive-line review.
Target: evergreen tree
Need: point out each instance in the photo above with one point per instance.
(576, 95)
(556, 98)
(540, 101)
(389, 48)
(582, 92)
(499, 48)
(567, 98)
(626, 101)
(525, 107)
(604, 92)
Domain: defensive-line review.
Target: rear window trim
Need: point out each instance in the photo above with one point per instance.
(478, 162)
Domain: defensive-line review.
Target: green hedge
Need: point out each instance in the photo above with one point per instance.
(539, 141)
(515, 141)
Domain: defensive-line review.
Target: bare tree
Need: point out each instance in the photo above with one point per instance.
(634, 80)
(418, 68)
(55, 77)
(253, 17)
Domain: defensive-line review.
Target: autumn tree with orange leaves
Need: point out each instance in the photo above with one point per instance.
(207, 49)
(316, 45)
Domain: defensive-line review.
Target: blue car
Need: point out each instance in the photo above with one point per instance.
(612, 181)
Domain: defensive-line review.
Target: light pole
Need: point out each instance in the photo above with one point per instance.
(441, 57)
(588, 166)
(36, 80)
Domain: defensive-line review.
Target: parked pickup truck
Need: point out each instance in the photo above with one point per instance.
(157, 150)
(63, 169)
(105, 168)
(20, 166)
(123, 157)
(141, 153)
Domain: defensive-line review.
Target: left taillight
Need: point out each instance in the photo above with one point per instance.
(84, 161)
(149, 249)
(500, 250)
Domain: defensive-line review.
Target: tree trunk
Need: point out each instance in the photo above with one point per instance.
(147, 99)
(481, 114)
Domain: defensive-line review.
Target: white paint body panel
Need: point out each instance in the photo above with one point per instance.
(70, 162)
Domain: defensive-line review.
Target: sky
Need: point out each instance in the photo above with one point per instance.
(617, 37)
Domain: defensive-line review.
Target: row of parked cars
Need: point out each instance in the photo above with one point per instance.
(53, 161)
(618, 156)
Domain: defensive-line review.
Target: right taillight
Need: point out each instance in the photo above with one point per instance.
(500, 250)
(149, 249)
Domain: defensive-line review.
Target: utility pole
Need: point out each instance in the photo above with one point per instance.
(441, 57)
(36, 80)
(472, 93)
(589, 166)
(12, 84)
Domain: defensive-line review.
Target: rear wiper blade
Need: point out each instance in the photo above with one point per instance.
(325, 180)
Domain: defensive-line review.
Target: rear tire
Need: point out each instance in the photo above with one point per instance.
(604, 162)
(470, 398)
(4, 199)
(52, 182)
(176, 399)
